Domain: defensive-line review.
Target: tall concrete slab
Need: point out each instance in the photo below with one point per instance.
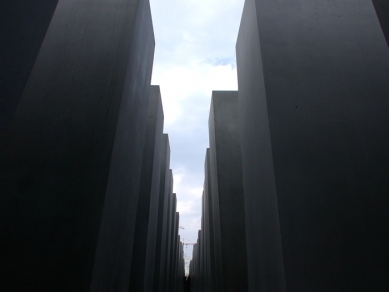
(209, 212)
(200, 278)
(204, 243)
(170, 241)
(227, 189)
(146, 218)
(68, 209)
(174, 259)
(313, 94)
(264, 251)
(164, 191)
(23, 26)
(165, 242)
(215, 212)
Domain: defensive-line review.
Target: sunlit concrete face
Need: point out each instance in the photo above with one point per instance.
(313, 87)
(68, 210)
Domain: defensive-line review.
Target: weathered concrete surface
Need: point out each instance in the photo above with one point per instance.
(68, 209)
(382, 9)
(142, 266)
(23, 26)
(313, 87)
(227, 191)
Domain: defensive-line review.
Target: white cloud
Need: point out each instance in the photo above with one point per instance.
(195, 54)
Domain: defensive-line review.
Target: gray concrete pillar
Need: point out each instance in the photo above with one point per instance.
(146, 218)
(227, 191)
(171, 241)
(203, 246)
(200, 262)
(313, 87)
(175, 252)
(68, 208)
(210, 224)
(164, 191)
(167, 242)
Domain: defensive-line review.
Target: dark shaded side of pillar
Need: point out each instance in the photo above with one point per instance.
(313, 89)
(227, 186)
(264, 250)
(165, 233)
(173, 265)
(217, 243)
(170, 241)
(23, 26)
(146, 217)
(382, 9)
(193, 269)
(209, 211)
(205, 230)
(68, 209)
(199, 277)
(164, 190)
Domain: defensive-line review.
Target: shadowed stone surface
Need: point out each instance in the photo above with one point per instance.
(69, 205)
(165, 189)
(23, 26)
(382, 9)
(146, 219)
(313, 88)
(227, 191)
(209, 207)
(168, 240)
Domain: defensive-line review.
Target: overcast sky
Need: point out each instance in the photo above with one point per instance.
(194, 54)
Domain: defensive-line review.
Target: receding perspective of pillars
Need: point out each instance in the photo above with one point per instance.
(163, 280)
(142, 266)
(164, 189)
(76, 137)
(313, 91)
(86, 166)
(169, 268)
(208, 230)
(223, 204)
(168, 262)
(170, 236)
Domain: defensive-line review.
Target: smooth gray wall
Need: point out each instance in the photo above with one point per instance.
(313, 88)
(75, 150)
(166, 183)
(154, 211)
(264, 252)
(146, 219)
(227, 190)
(209, 215)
